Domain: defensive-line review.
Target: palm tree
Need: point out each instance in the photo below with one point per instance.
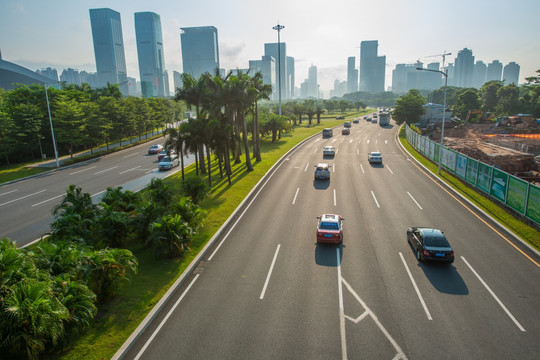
(309, 109)
(298, 110)
(259, 91)
(170, 236)
(319, 110)
(75, 202)
(177, 140)
(242, 103)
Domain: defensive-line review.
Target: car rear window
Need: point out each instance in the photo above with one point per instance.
(329, 226)
(436, 241)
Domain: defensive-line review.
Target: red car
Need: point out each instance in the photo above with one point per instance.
(330, 228)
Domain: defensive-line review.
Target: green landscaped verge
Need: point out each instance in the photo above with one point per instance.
(119, 318)
(518, 226)
(19, 171)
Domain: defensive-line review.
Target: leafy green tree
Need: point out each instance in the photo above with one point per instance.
(7, 128)
(409, 108)
(275, 125)
(488, 95)
(170, 236)
(195, 188)
(467, 100)
(70, 123)
(508, 97)
(112, 227)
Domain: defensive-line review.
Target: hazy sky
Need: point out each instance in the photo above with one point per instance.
(56, 33)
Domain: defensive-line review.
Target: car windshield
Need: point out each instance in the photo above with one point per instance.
(319, 168)
(166, 159)
(375, 154)
(328, 226)
(435, 240)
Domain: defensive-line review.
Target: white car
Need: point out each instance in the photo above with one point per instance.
(168, 162)
(375, 157)
(329, 151)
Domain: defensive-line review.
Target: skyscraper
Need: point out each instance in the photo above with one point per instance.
(463, 76)
(271, 49)
(177, 80)
(312, 82)
(50, 73)
(352, 75)
(150, 54)
(267, 68)
(200, 50)
(511, 73)
(290, 76)
(70, 76)
(479, 74)
(372, 67)
(109, 48)
(494, 71)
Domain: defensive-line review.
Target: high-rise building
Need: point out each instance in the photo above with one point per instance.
(290, 76)
(511, 73)
(166, 83)
(463, 76)
(150, 54)
(352, 75)
(89, 78)
(313, 85)
(177, 80)
(200, 50)
(267, 68)
(479, 74)
(494, 71)
(372, 67)
(70, 76)
(271, 49)
(109, 48)
(49, 73)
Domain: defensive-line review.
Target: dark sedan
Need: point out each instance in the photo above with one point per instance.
(430, 244)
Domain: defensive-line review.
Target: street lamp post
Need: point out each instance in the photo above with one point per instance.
(52, 130)
(279, 28)
(445, 74)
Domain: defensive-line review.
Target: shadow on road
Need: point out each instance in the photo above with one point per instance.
(375, 165)
(321, 184)
(325, 254)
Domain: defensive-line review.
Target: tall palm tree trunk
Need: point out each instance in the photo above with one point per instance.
(246, 143)
(209, 167)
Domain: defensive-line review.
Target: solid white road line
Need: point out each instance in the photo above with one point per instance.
(83, 170)
(388, 167)
(334, 197)
(9, 192)
(96, 194)
(357, 152)
(362, 168)
(130, 155)
(128, 170)
(350, 141)
(295, 195)
(341, 310)
(368, 141)
(22, 197)
(269, 273)
(494, 296)
(334, 167)
(416, 287)
(416, 202)
(374, 198)
(306, 167)
(143, 349)
(336, 151)
(102, 171)
(149, 171)
(43, 202)
(314, 151)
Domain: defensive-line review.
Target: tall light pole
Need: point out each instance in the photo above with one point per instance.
(445, 74)
(279, 28)
(52, 130)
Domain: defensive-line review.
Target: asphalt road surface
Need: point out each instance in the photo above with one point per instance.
(26, 205)
(266, 290)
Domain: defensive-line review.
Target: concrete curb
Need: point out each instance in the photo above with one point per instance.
(479, 210)
(122, 351)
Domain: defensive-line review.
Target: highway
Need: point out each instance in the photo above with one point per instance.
(266, 290)
(26, 205)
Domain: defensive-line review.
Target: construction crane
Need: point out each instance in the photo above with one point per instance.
(444, 55)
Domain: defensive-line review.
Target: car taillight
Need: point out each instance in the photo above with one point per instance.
(452, 254)
(426, 253)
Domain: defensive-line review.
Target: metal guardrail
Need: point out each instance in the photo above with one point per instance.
(519, 195)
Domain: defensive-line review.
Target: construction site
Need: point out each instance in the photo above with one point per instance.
(511, 143)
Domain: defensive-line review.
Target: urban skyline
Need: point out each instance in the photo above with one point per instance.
(41, 39)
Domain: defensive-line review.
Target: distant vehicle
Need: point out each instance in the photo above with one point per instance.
(330, 228)
(168, 162)
(155, 149)
(329, 151)
(374, 120)
(347, 124)
(375, 157)
(322, 171)
(327, 132)
(346, 131)
(374, 115)
(356, 120)
(368, 119)
(163, 153)
(340, 117)
(365, 117)
(384, 119)
(430, 244)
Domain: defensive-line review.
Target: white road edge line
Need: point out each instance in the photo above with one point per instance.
(316, 149)
(130, 155)
(334, 167)
(269, 273)
(495, 296)
(102, 171)
(334, 197)
(143, 349)
(388, 167)
(306, 167)
(341, 310)
(128, 170)
(416, 202)
(23, 197)
(362, 168)
(9, 192)
(96, 194)
(43, 202)
(80, 171)
(416, 287)
(295, 195)
(374, 198)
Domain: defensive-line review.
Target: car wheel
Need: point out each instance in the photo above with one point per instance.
(418, 255)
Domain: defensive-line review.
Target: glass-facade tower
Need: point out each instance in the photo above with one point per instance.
(200, 51)
(150, 54)
(109, 48)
